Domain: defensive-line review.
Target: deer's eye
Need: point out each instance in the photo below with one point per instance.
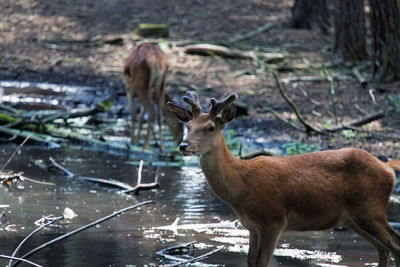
(211, 129)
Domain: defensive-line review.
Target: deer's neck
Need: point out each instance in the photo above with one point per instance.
(221, 169)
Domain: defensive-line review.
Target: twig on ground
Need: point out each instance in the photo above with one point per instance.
(30, 253)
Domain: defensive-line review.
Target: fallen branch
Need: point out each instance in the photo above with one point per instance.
(110, 182)
(308, 126)
(360, 122)
(332, 92)
(60, 167)
(218, 50)
(201, 257)
(20, 259)
(24, 178)
(30, 235)
(361, 80)
(116, 213)
(142, 186)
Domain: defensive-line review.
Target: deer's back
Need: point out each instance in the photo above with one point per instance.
(308, 185)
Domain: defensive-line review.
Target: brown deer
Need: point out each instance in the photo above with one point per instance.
(269, 194)
(144, 76)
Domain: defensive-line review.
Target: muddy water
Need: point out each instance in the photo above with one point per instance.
(185, 210)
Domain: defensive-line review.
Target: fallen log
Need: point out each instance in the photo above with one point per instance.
(218, 50)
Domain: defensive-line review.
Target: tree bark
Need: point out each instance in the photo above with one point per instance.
(385, 27)
(350, 44)
(312, 15)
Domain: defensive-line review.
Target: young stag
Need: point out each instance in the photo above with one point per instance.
(314, 191)
(144, 75)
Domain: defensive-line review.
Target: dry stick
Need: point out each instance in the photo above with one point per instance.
(195, 259)
(83, 228)
(360, 122)
(36, 181)
(23, 260)
(58, 166)
(13, 155)
(332, 92)
(141, 185)
(31, 234)
(309, 127)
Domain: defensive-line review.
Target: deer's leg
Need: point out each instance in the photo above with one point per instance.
(132, 107)
(377, 226)
(140, 122)
(253, 249)
(268, 236)
(396, 239)
(383, 253)
(150, 124)
(159, 118)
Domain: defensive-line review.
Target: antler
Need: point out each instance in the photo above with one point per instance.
(217, 106)
(192, 99)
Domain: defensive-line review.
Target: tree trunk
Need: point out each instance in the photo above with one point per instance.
(312, 15)
(350, 44)
(385, 27)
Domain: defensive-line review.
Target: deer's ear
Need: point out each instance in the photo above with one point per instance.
(180, 113)
(228, 114)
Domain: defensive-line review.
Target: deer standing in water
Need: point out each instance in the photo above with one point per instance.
(144, 76)
(314, 191)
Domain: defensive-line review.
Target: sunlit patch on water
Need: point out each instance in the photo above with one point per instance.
(303, 254)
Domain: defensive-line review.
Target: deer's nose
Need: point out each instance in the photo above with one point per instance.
(183, 146)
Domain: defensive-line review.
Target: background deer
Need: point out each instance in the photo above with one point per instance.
(314, 191)
(144, 76)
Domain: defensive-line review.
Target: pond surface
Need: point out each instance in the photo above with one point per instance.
(185, 209)
(134, 237)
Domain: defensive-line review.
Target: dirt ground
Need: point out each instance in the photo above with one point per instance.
(86, 42)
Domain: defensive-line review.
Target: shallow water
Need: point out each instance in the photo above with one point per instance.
(134, 237)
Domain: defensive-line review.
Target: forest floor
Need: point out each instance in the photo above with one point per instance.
(86, 42)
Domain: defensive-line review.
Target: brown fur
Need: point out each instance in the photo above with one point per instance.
(314, 191)
(144, 76)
